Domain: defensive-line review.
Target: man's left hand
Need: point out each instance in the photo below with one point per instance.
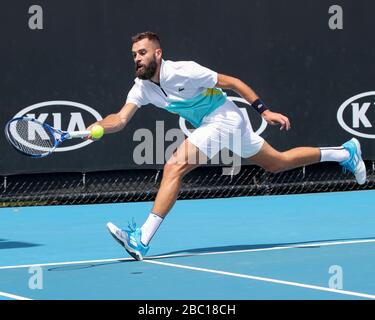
(274, 118)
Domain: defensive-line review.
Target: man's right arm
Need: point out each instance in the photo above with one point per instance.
(117, 121)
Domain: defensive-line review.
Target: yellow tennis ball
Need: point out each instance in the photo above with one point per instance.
(97, 131)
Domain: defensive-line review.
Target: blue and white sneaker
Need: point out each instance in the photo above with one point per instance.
(355, 164)
(129, 239)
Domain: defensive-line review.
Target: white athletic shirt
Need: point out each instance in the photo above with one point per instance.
(185, 88)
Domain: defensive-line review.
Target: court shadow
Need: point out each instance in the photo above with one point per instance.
(6, 244)
(239, 248)
(89, 266)
(208, 250)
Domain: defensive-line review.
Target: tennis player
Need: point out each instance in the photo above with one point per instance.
(195, 93)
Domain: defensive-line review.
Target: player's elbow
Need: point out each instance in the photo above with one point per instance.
(227, 82)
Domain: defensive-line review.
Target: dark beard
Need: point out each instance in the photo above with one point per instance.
(148, 71)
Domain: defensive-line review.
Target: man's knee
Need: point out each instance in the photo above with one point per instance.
(175, 169)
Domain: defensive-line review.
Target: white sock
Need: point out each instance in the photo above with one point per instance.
(150, 227)
(337, 154)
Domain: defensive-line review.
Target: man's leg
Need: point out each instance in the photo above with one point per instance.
(186, 158)
(275, 161)
(348, 155)
(136, 241)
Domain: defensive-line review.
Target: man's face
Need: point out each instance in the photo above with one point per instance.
(147, 58)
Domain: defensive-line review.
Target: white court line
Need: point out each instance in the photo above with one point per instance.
(308, 245)
(12, 296)
(288, 283)
(281, 247)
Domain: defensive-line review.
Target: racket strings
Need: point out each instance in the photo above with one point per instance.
(31, 137)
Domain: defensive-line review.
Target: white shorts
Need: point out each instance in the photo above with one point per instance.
(226, 127)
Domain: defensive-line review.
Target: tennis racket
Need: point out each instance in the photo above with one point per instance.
(37, 139)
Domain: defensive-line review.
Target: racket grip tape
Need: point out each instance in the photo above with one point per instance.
(79, 134)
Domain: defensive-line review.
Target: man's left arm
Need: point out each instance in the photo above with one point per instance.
(273, 118)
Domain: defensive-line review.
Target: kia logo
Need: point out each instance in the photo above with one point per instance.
(259, 131)
(63, 115)
(356, 115)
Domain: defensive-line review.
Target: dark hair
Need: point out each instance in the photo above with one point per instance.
(152, 36)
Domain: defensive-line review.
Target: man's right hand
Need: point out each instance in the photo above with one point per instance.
(89, 129)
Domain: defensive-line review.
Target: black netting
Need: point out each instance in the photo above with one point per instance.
(202, 183)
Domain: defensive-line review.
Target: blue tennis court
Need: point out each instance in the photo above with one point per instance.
(308, 246)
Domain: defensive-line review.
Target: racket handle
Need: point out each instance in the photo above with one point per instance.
(79, 134)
